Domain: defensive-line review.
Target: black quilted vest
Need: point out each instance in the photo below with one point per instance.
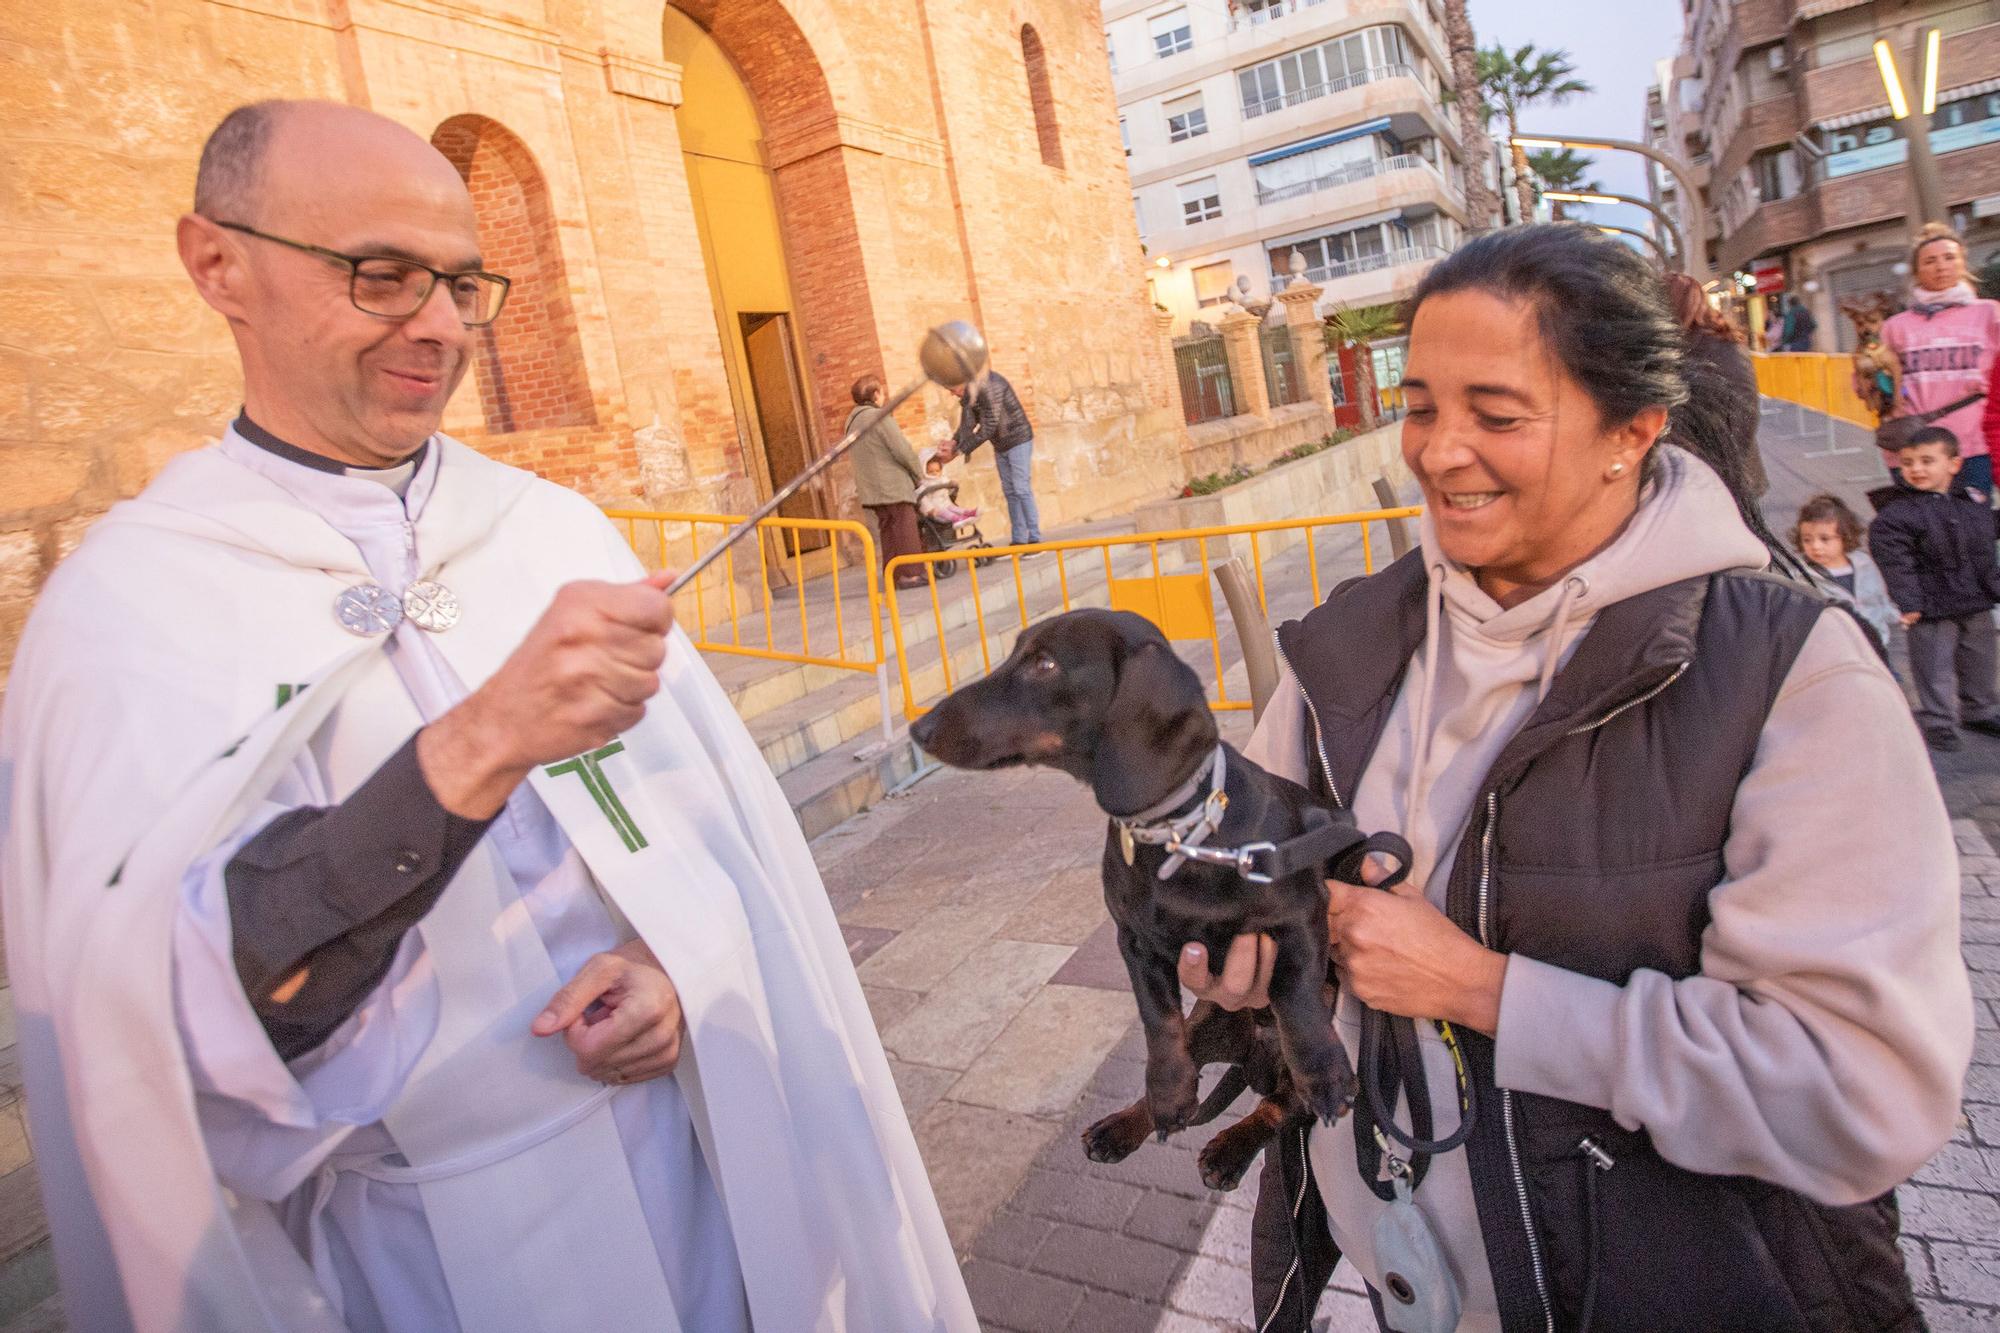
(1593, 846)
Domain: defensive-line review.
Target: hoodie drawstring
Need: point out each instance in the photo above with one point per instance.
(1420, 736)
(1574, 587)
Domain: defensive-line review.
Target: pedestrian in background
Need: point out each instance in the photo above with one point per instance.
(1829, 535)
(1934, 540)
(1720, 378)
(1946, 340)
(1798, 328)
(886, 477)
(991, 413)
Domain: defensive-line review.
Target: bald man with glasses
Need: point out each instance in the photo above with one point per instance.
(405, 933)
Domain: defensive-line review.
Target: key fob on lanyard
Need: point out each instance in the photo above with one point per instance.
(1418, 1294)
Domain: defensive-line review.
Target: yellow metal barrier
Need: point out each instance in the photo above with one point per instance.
(1181, 604)
(1817, 381)
(661, 539)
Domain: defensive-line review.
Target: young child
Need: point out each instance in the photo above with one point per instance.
(1829, 536)
(1934, 544)
(937, 497)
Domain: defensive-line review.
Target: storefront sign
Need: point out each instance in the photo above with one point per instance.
(1966, 123)
(1770, 275)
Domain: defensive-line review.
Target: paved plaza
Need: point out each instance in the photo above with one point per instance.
(973, 909)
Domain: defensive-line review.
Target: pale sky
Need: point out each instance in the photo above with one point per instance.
(1614, 44)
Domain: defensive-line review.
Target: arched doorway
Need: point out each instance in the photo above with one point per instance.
(527, 363)
(734, 195)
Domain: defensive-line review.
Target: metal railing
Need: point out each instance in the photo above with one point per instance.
(1207, 393)
(1172, 590)
(1282, 380)
(1258, 106)
(1817, 381)
(814, 632)
(1347, 268)
(1345, 175)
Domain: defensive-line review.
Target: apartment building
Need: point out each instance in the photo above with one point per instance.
(1260, 129)
(1780, 108)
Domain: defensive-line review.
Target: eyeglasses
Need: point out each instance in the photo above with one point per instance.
(398, 288)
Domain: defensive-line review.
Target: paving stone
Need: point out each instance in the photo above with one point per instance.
(1345, 1312)
(1952, 1317)
(1211, 1289)
(1008, 1298)
(1097, 962)
(920, 1086)
(1170, 1220)
(1228, 1236)
(1102, 1312)
(1984, 1121)
(1967, 1272)
(1917, 1263)
(1982, 1083)
(1124, 1264)
(1960, 1166)
(1945, 1214)
(1065, 911)
(967, 1008)
(886, 1005)
(1011, 1238)
(976, 1157)
(864, 941)
(1080, 1201)
(1046, 1055)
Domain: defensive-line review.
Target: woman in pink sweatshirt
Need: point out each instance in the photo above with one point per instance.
(1946, 340)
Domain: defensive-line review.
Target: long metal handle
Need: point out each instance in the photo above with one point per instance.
(790, 488)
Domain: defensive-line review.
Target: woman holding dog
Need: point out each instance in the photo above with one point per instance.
(1946, 340)
(1708, 1016)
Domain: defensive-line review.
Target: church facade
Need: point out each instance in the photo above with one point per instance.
(717, 214)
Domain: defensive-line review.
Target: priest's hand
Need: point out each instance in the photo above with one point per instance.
(620, 1016)
(581, 677)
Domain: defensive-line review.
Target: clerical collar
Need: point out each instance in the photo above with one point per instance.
(396, 478)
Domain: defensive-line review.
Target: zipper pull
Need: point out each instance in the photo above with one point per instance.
(1594, 1150)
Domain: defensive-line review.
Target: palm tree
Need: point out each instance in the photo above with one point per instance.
(1563, 169)
(1513, 81)
(1480, 203)
(1358, 327)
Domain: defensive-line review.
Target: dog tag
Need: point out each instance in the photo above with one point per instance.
(1125, 843)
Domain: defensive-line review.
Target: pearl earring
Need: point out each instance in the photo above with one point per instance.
(1617, 470)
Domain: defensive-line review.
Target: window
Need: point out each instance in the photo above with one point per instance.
(1320, 169)
(1187, 118)
(1111, 51)
(1763, 71)
(1337, 253)
(1315, 71)
(1139, 216)
(1201, 200)
(1212, 281)
(1843, 36)
(1125, 135)
(1041, 97)
(1776, 172)
(1171, 34)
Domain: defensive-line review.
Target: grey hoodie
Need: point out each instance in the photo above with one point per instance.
(1824, 1043)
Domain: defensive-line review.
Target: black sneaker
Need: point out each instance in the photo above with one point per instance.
(1943, 739)
(1986, 726)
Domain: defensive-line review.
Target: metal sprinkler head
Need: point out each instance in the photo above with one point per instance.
(953, 354)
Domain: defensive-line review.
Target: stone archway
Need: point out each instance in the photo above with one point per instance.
(817, 220)
(528, 363)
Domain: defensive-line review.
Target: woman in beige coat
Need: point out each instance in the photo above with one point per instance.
(886, 477)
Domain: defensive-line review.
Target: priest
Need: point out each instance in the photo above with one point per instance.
(405, 933)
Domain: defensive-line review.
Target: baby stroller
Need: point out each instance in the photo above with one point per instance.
(938, 534)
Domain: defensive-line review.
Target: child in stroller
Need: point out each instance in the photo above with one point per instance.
(943, 523)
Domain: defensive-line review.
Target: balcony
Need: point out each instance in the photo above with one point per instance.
(1254, 107)
(1347, 175)
(1352, 268)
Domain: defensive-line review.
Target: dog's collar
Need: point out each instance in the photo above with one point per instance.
(1168, 824)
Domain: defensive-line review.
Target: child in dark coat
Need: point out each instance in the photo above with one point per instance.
(1934, 544)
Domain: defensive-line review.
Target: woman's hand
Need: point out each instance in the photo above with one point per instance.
(1399, 954)
(620, 1016)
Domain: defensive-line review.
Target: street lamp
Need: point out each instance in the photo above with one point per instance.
(1689, 189)
(1926, 193)
(1647, 237)
(1670, 231)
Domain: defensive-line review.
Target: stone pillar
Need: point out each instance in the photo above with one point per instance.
(1246, 363)
(1302, 321)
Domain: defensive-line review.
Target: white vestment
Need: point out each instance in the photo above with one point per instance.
(182, 681)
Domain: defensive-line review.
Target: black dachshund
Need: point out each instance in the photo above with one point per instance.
(1203, 846)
